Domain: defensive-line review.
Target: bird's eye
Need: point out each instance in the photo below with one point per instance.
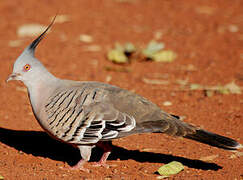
(26, 67)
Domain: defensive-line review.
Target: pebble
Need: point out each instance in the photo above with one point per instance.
(30, 30)
(233, 28)
(167, 103)
(86, 38)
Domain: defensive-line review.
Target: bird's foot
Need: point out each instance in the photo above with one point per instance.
(103, 159)
(78, 166)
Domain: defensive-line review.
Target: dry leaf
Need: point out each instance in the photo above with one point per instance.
(129, 48)
(152, 48)
(155, 81)
(164, 56)
(221, 89)
(62, 18)
(117, 56)
(171, 168)
(209, 93)
(233, 88)
(30, 30)
(195, 86)
(182, 82)
(209, 158)
(86, 38)
(120, 54)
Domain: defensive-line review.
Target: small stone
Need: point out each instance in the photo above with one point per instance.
(241, 56)
(21, 152)
(182, 118)
(221, 29)
(63, 37)
(86, 38)
(158, 35)
(205, 10)
(167, 103)
(236, 155)
(115, 171)
(108, 178)
(14, 43)
(108, 78)
(233, 28)
(92, 48)
(162, 177)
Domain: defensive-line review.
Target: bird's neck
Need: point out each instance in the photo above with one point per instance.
(40, 89)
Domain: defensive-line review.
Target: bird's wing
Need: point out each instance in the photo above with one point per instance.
(80, 115)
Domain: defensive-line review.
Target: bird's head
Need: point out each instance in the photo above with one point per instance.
(27, 67)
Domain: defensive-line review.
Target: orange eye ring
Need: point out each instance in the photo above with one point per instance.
(26, 67)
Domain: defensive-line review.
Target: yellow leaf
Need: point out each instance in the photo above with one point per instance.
(117, 56)
(155, 81)
(1, 177)
(233, 88)
(164, 56)
(195, 86)
(171, 168)
(152, 48)
(209, 93)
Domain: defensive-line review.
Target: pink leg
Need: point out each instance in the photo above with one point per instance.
(79, 166)
(85, 152)
(106, 146)
(102, 161)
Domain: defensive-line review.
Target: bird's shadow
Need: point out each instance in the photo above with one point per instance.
(39, 143)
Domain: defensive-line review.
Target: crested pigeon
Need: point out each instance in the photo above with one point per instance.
(89, 114)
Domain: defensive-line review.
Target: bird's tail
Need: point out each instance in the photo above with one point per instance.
(173, 126)
(213, 139)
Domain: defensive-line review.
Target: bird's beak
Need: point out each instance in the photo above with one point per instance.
(12, 76)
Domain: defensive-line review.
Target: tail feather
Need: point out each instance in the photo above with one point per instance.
(212, 139)
(172, 125)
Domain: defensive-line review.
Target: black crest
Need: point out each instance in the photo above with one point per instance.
(33, 45)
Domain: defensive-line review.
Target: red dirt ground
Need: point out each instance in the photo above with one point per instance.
(205, 34)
